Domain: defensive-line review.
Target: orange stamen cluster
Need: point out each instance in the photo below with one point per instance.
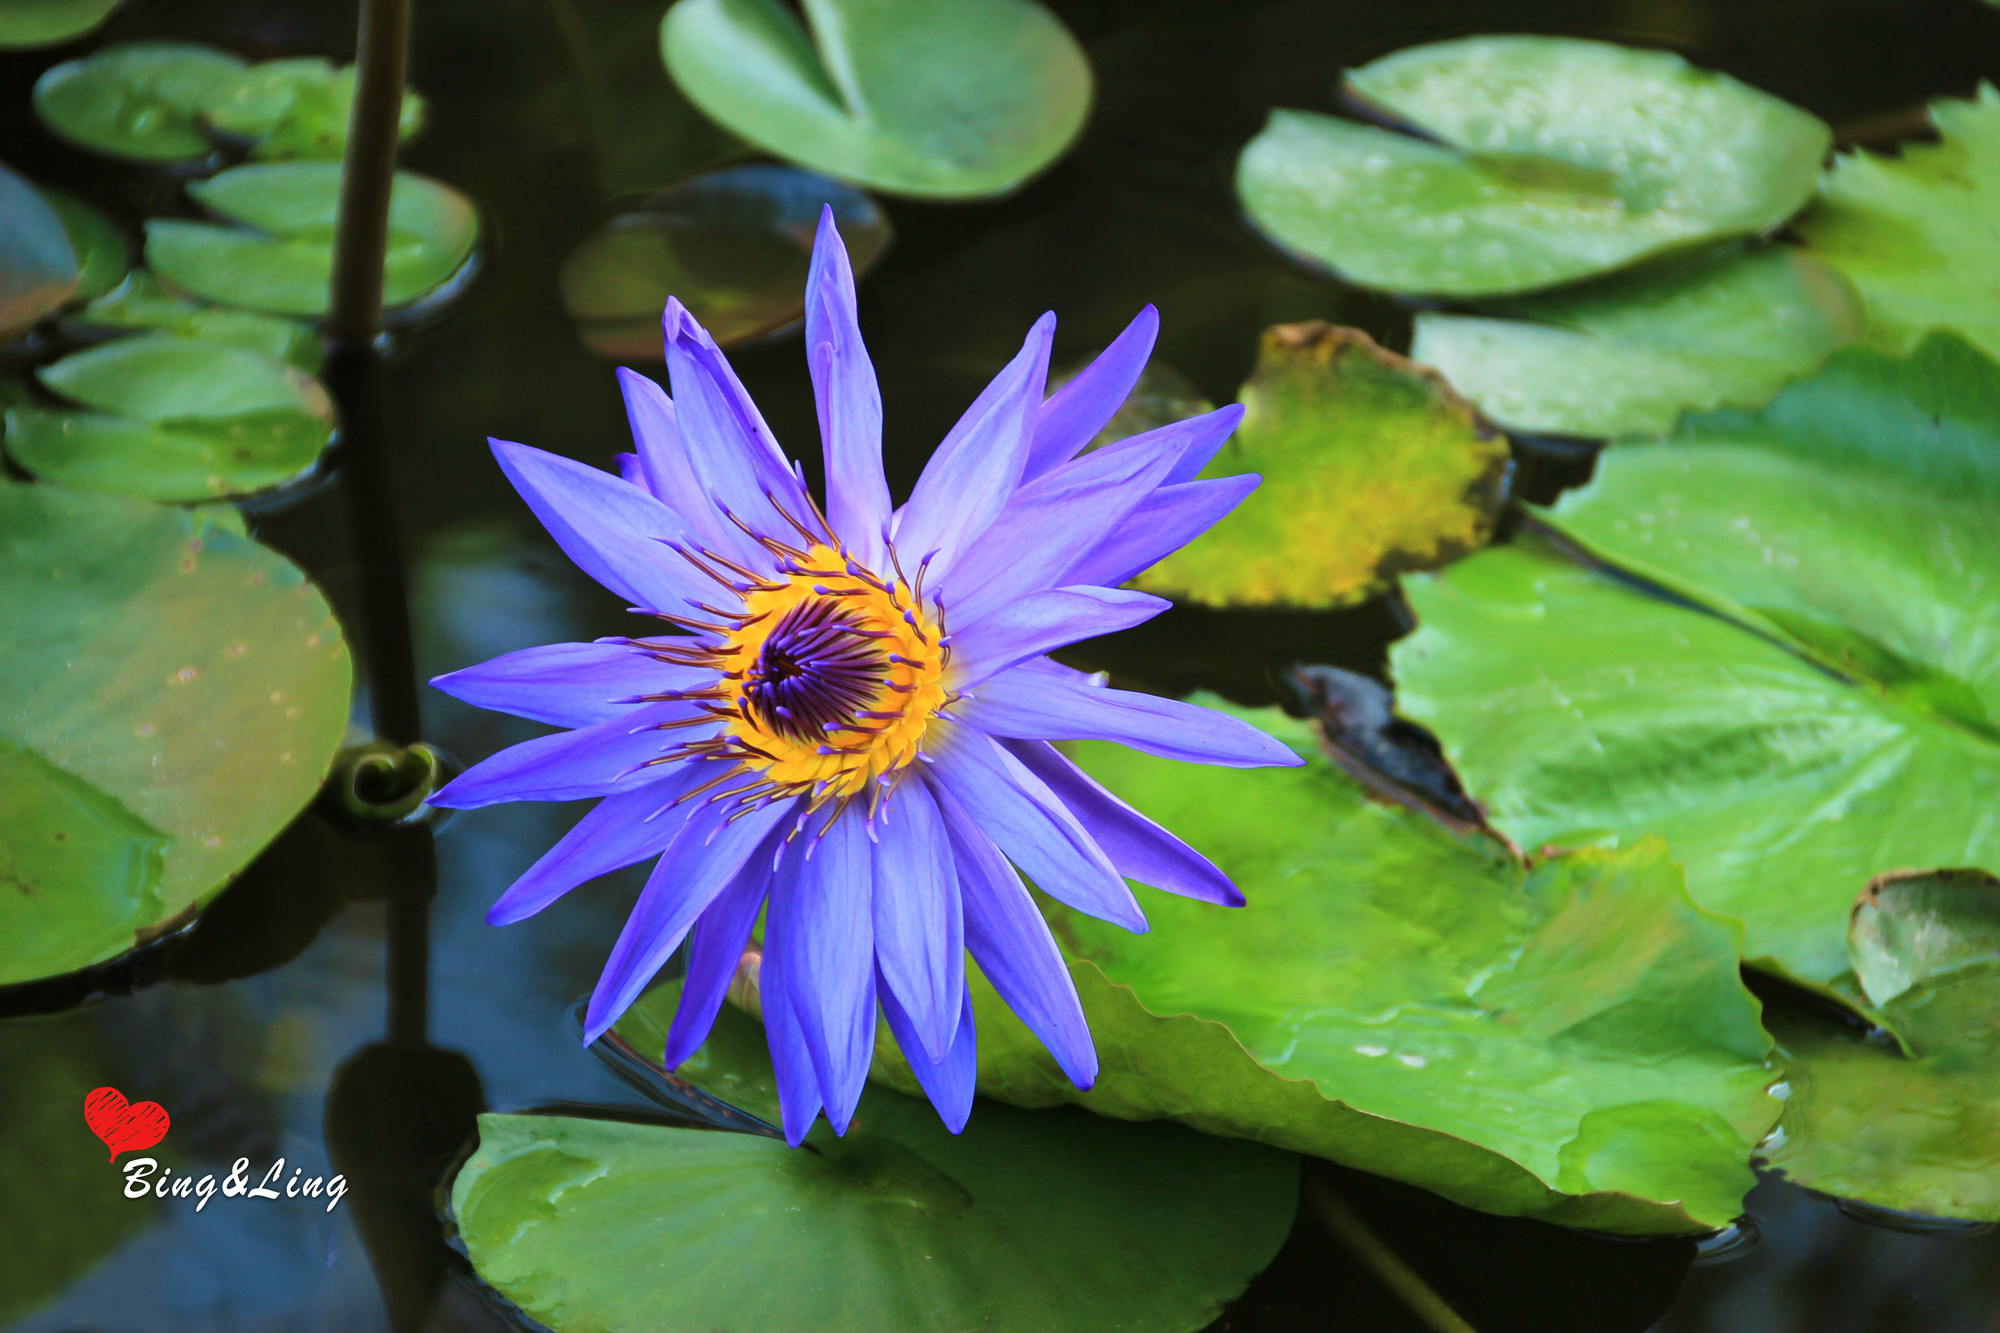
(826, 676)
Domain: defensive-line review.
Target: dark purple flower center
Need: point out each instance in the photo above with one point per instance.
(817, 668)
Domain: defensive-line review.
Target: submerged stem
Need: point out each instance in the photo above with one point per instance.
(1385, 1263)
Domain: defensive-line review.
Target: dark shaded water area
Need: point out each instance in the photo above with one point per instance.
(253, 1029)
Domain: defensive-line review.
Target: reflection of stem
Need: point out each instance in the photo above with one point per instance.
(596, 97)
(355, 375)
(1382, 1261)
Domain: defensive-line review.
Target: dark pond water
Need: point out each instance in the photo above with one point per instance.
(249, 1031)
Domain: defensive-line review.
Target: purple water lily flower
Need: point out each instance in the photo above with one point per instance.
(850, 731)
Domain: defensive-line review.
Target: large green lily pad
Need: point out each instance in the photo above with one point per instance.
(27, 24)
(1034, 1222)
(734, 245)
(135, 100)
(1546, 160)
(177, 419)
(1371, 465)
(1627, 355)
(140, 303)
(38, 268)
(1569, 1041)
(281, 258)
(186, 680)
(1907, 1127)
(946, 99)
(1813, 708)
(293, 108)
(1914, 231)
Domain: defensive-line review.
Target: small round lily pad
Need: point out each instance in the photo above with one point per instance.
(140, 303)
(190, 682)
(733, 245)
(177, 419)
(281, 258)
(1544, 160)
(293, 108)
(135, 100)
(944, 99)
(1028, 1222)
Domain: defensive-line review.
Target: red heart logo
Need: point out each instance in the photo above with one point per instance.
(123, 1126)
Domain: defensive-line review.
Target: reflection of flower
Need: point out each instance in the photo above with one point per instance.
(853, 733)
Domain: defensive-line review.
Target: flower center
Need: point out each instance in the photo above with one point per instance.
(827, 678)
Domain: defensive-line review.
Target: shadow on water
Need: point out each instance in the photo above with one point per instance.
(295, 1019)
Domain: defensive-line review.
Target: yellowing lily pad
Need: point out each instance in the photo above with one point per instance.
(1914, 231)
(1545, 160)
(1371, 466)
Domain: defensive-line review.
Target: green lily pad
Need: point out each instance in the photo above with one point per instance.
(293, 108)
(1916, 925)
(135, 100)
(1913, 231)
(942, 99)
(734, 245)
(1914, 1133)
(1371, 466)
(27, 24)
(160, 378)
(140, 303)
(74, 864)
(180, 672)
(1035, 1222)
(178, 419)
(281, 259)
(1546, 160)
(102, 255)
(1815, 706)
(38, 268)
(1627, 355)
(1569, 1041)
